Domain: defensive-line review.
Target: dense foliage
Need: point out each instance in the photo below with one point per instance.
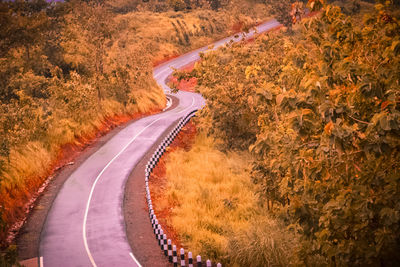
(320, 111)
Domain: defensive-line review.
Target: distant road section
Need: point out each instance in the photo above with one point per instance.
(85, 225)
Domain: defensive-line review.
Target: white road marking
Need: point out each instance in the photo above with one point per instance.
(94, 185)
(101, 173)
(135, 260)
(158, 74)
(41, 262)
(188, 107)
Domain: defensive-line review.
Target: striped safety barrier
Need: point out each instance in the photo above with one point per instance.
(166, 245)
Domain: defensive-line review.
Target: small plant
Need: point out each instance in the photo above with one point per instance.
(263, 243)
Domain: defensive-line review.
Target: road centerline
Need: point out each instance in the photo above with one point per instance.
(86, 245)
(94, 185)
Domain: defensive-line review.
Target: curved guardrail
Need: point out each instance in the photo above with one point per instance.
(165, 244)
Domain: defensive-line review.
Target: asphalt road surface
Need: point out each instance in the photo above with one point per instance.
(85, 225)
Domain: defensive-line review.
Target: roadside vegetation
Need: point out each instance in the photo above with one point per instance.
(215, 208)
(317, 106)
(70, 71)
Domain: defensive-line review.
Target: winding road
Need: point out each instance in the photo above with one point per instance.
(85, 225)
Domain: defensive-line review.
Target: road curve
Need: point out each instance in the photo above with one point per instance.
(85, 225)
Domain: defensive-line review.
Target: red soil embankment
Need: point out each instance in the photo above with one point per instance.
(188, 85)
(166, 58)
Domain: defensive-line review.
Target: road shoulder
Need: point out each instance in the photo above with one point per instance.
(138, 227)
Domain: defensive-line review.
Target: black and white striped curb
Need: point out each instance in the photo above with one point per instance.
(165, 244)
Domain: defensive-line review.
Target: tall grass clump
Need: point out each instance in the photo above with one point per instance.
(215, 210)
(264, 243)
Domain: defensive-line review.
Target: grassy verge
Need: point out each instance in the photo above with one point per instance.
(215, 210)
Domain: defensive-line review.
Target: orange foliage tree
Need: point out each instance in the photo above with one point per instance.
(320, 111)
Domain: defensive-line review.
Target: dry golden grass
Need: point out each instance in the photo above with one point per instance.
(216, 212)
(174, 33)
(22, 177)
